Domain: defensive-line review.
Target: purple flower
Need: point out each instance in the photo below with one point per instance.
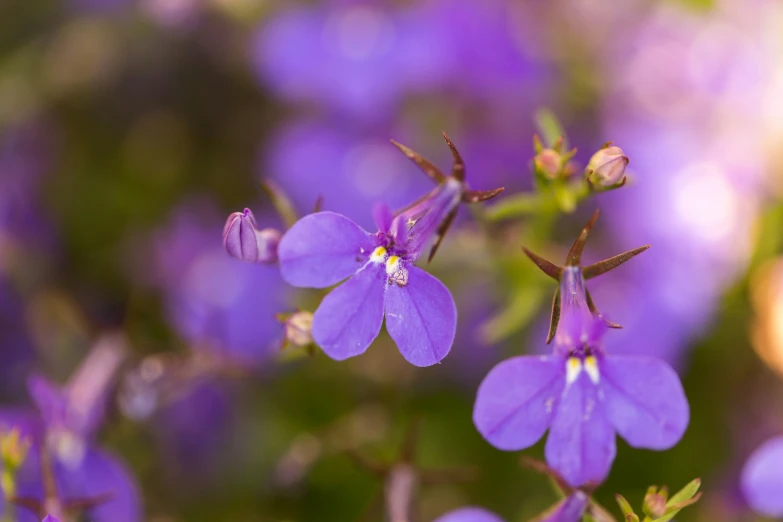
(50, 518)
(243, 240)
(583, 395)
(63, 429)
(469, 514)
(324, 248)
(570, 509)
(762, 478)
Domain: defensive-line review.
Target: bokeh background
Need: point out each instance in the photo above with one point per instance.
(130, 129)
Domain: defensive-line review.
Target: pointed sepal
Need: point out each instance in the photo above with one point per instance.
(602, 267)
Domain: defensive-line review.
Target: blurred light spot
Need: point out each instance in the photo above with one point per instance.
(171, 13)
(766, 287)
(359, 32)
(85, 52)
(705, 202)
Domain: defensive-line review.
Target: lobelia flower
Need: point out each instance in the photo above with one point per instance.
(583, 395)
(762, 478)
(62, 469)
(325, 248)
(570, 509)
(245, 241)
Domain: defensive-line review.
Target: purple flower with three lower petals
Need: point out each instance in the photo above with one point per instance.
(762, 478)
(583, 395)
(325, 248)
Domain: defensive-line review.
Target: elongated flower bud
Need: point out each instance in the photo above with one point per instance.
(244, 241)
(607, 167)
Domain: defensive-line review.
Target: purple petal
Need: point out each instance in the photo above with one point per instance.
(469, 514)
(383, 217)
(101, 474)
(50, 518)
(644, 401)
(516, 400)
(350, 317)
(322, 249)
(49, 398)
(581, 443)
(25, 420)
(421, 317)
(570, 509)
(762, 478)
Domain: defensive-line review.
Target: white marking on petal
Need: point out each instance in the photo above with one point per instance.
(573, 369)
(591, 367)
(392, 264)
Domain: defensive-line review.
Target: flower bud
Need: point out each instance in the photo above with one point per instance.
(244, 241)
(607, 167)
(655, 504)
(298, 329)
(548, 163)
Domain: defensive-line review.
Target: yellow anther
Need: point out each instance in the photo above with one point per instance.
(391, 264)
(378, 255)
(573, 369)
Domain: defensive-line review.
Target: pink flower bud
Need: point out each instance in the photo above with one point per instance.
(607, 167)
(655, 504)
(549, 163)
(244, 241)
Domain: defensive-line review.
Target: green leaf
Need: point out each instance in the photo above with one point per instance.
(686, 493)
(625, 506)
(550, 127)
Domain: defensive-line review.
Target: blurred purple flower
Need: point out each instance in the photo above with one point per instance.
(469, 514)
(324, 248)
(64, 429)
(583, 395)
(214, 302)
(362, 59)
(350, 167)
(762, 478)
(50, 518)
(692, 102)
(356, 57)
